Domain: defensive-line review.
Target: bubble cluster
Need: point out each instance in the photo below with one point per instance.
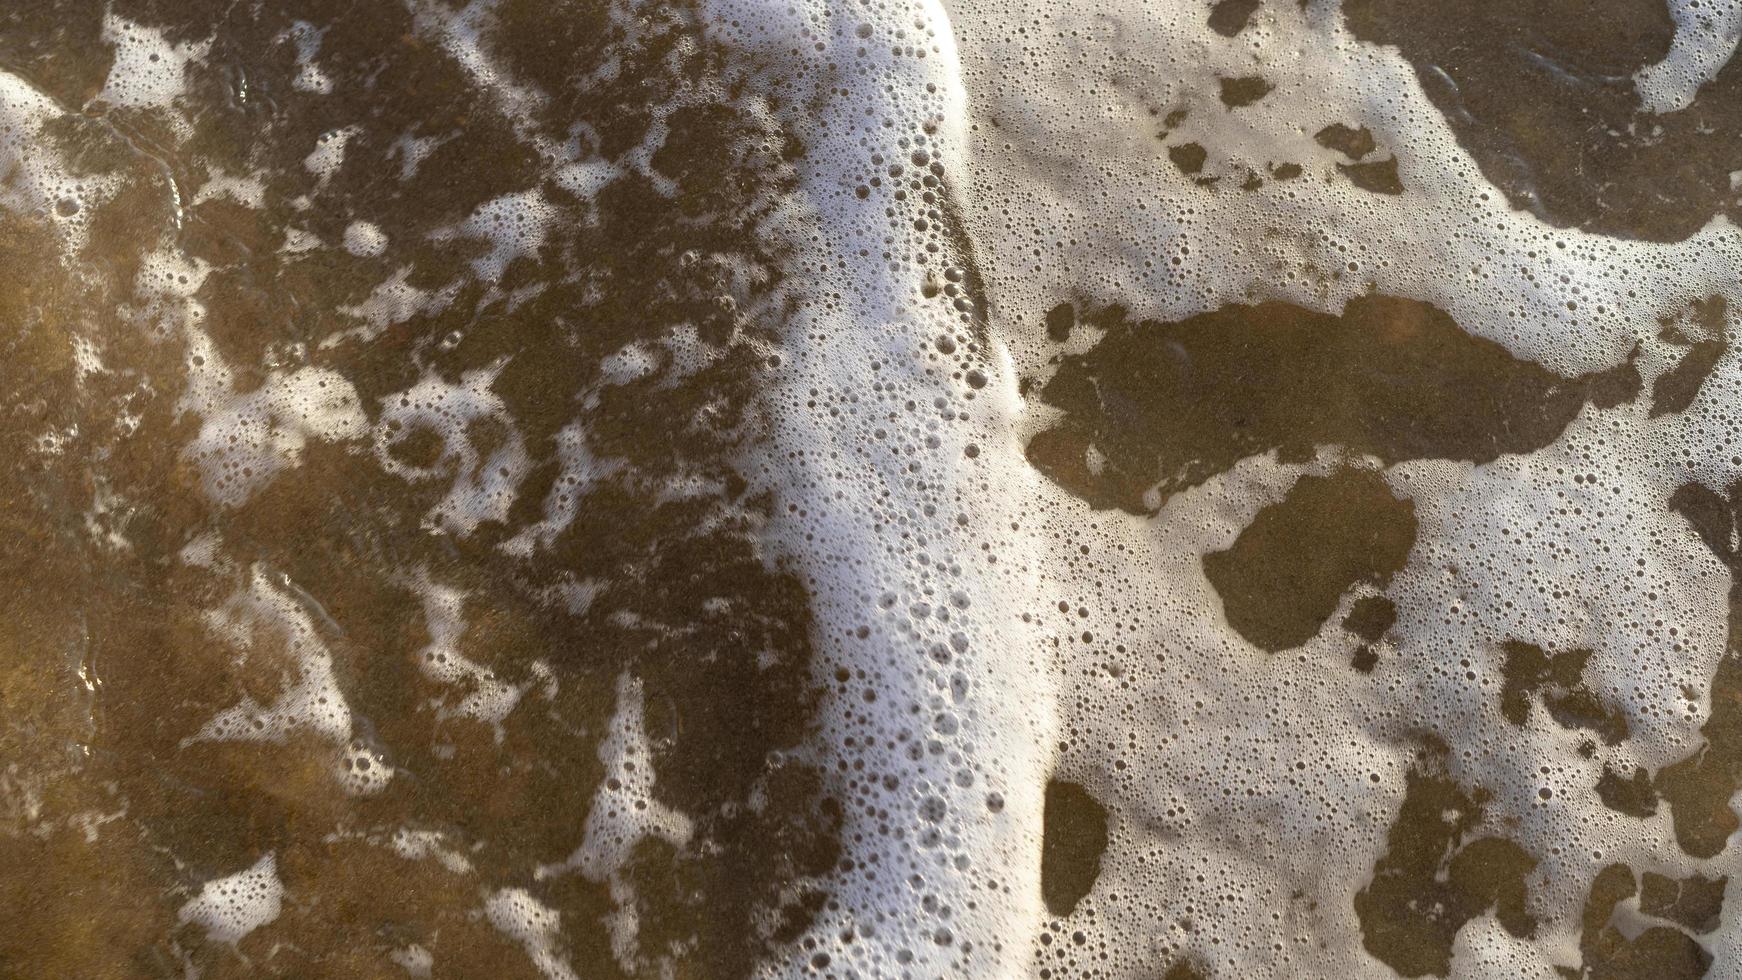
(872, 489)
(1705, 39)
(1250, 793)
(440, 431)
(901, 488)
(231, 907)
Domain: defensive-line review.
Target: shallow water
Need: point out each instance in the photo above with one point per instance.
(957, 489)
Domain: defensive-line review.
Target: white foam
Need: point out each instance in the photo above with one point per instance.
(417, 845)
(487, 697)
(1706, 32)
(33, 179)
(310, 77)
(622, 814)
(1237, 780)
(579, 471)
(270, 629)
(414, 959)
(536, 926)
(482, 454)
(247, 191)
(513, 224)
(904, 478)
(328, 153)
(149, 72)
(365, 239)
(992, 629)
(233, 906)
(393, 300)
(247, 439)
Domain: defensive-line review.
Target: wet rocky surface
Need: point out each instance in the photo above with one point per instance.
(1155, 408)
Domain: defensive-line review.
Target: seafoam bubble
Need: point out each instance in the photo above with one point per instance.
(328, 153)
(535, 926)
(1135, 159)
(513, 225)
(897, 463)
(247, 191)
(246, 439)
(266, 620)
(1258, 788)
(462, 433)
(624, 813)
(307, 39)
(364, 239)
(233, 906)
(393, 300)
(1706, 32)
(149, 70)
(37, 181)
(484, 696)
